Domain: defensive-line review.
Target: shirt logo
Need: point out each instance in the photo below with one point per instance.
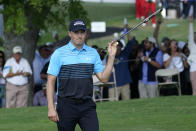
(78, 23)
(87, 59)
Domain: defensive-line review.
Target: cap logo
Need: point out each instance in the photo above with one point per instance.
(78, 23)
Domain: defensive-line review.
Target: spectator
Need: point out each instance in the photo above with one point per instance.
(133, 68)
(185, 52)
(192, 56)
(40, 59)
(165, 44)
(16, 71)
(2, 80)
(175, 59)
(189, 3)
(140, 9)
(150, 5)
(165, 7)
(44, 75)
(184, 8)
(149, 61)
(40, 98)
(123, 77)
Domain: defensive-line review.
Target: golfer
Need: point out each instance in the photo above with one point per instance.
(73, 66)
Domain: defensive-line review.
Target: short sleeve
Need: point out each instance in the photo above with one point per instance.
(98, 66)
(54, 66)
(165, 57)
(7, 68)
(159, 57)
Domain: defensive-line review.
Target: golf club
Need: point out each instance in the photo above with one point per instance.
(144, 21)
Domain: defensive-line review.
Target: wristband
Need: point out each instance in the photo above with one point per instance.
(149, 60)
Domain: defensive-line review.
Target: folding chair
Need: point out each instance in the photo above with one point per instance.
(168, 73)
(98, 88)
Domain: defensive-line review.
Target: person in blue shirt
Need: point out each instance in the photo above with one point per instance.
(122, 74)
(73, 65)
(149, 60)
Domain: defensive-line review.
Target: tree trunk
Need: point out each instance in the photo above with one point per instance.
(28, 42)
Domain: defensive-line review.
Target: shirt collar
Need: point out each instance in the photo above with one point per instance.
(72, 47)
(150, 50)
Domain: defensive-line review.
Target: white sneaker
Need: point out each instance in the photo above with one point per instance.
(153, 25)
(144, 24)
(142, 18)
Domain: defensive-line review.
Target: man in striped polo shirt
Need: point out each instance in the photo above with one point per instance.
(73, 66)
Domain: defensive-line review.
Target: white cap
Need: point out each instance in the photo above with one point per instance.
(152, 39)
(17, 49)
(115, 35)
(181, 44)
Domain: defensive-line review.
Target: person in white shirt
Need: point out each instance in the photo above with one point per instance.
(192, 56)
(174, 59)
(16, 71)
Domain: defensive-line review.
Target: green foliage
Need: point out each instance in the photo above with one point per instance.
(21, 15)
(76, 10)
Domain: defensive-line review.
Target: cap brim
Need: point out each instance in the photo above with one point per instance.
(79, 28)
(17, 52)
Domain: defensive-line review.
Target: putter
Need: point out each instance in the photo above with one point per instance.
(144, 21)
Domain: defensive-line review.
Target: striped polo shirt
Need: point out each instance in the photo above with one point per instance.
(73, 69)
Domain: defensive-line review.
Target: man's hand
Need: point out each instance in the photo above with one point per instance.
(146, 58)
(112, 48)
(26, 74)
(18, 73)
(52, 115)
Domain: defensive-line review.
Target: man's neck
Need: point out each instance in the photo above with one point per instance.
(79, 47)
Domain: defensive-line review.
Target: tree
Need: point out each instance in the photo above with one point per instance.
(24, 19)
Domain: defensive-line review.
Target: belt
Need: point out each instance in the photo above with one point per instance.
(75, 100)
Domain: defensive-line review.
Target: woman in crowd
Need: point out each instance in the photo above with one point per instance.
(174, 59)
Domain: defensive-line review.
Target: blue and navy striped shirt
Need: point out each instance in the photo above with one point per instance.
(73, 69)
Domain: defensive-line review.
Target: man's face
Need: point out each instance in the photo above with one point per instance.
(78, 37)
(17, 56)
(147, 45)
(45, 52)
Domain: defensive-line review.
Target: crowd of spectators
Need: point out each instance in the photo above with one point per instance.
(135, 65)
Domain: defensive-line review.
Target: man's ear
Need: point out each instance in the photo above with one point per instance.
(69, 33)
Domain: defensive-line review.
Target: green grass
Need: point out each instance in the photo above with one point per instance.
(172, 113)
(109, 11)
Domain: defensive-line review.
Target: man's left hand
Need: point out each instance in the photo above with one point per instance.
(112, 48)
(146, 58)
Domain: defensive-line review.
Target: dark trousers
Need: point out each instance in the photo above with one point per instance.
(188, 8)
(72, 112)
